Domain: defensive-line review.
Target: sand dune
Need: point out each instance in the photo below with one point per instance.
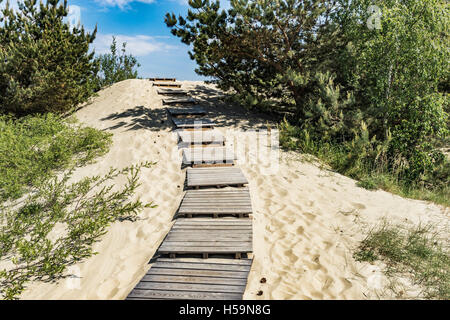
(307, 220)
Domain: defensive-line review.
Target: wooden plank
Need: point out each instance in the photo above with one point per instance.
(213, 203)
(179, 100)
(210, 263)
(208, 155)
(230, 238)
(195, 287)
(167, 84)
(172, 91)
(203, 177)
(227, 222)
(163, 79)
(199, 137)
(234, 238)
(212, 227)
(183, 295)
(193, 123)
(202, 273)
(191, 279)
(183, 111)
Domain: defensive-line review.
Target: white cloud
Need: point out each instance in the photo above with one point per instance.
(74, 16)
(139, 45)
(12, 4)
(224, 4)
(122, 4)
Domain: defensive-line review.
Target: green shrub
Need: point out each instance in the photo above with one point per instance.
(115, 68)
(367, 160)
(82, 210)
(33, 146)
(416, 251)
(45, 64)
(370, 95)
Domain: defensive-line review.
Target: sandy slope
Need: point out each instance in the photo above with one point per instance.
(307, 220)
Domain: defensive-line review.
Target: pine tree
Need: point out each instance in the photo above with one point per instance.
(263, 49)
(337, 77)
(115, 67)
(45, 64)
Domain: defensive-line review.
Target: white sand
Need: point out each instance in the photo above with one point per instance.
(307, 220)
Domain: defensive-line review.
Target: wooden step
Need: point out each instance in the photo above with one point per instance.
(198, 237)
(200, 137)
(167, 84)
(215, 177)
(211, 155)
(194, 279)
(162, 79)
(179, 100)
(193, 123)
(216, 203)
(164, 91)
(187, 111)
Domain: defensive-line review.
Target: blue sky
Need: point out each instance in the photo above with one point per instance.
(140, 23)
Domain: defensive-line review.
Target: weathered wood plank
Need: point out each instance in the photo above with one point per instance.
(163, 79)
(183, 295)
(217, 288)
(227, 222)
(167, 84)
(184, 111)
(231, 228)
(212, 264)
(191, 279)
(193, 123)
(203, 177)
(208, 155)
(179, 100)
(172, 91)
(199, 137)
(214, 203)
(234, 238)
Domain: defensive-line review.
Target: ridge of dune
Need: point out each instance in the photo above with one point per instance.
(307, 220)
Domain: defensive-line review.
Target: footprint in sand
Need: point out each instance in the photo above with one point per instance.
(108, 289)
(309, 216)
(359, 206)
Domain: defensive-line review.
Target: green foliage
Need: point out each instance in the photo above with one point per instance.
(267, 51)
(115, 68)
(33, 146)
(416, 251)
(374, 96)
(367, 160)
(397, 74)
(59, 222)
(45, 64)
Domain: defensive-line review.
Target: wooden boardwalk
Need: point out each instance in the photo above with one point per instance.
(215, 203)
(215, 177)
(194, 279)
(224, 243)
(167, 84)
(179, 100)
(164, 91)
(205, 237)
(193, 123)
(163, 79)
(201, 137)
(187, 111)
(211, 155)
